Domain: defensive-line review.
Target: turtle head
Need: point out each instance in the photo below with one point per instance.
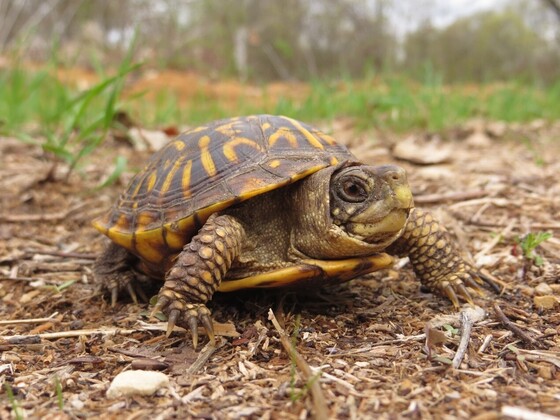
(357, 210)
(370, 203)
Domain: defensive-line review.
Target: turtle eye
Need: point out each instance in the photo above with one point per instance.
(353, 190)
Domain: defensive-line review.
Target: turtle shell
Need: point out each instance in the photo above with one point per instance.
(208, 169)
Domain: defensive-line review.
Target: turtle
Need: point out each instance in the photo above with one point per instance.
(266, 201)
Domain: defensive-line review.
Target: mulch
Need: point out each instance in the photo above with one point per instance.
(380, 346)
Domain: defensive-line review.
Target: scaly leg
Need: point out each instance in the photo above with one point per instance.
(435, 258)
(197, 273)
(113, 270)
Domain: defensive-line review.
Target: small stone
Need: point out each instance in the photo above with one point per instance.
(142, 139)
(543, 289)
(478, 140)
(137, 382)
(418, 150)
(545, 302)
(405, 387)
(496, 128)
(76, 403)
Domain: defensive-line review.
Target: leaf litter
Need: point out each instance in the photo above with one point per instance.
(380, 346)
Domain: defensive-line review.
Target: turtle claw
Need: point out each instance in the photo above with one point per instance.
(451, 295)
(114, 296)
(464, 293)
(172, 320)
(486, 279)
(198, 313)
(132, 293)
(206, 322)
(193, 326)
(115, 283)
(473, 281)
(186, 315)
(162, 302)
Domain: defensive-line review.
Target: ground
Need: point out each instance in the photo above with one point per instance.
(490, 183)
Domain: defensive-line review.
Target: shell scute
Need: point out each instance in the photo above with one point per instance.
(208, 169)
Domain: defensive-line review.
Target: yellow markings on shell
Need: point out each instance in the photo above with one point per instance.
(178, 145)
(309, 137)
(151, 181)
(197, 129)
(333, 160)
(171, 175)
(186, 179)
(275, 163)
(100, 223)
(120, 238)
(143, 220)
(226, 129)
(306, 173)
(289, 136)
(327, 139)
(149, 244)
(266, 126)
(229, 147)
(206, 156)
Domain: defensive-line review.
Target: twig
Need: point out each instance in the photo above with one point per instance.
(525, 414)
(128, 353)
(552, 226)
(319, 401)
(204, 355)
(497, 239)
(41, 217)
(74, 333)
(466, 328)
(511, 326)
(460, 196)
(30, 320)
(485, 343)
(5, 278)
(64, 254)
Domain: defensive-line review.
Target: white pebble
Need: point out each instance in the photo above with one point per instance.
(543, 289)
(137, 382)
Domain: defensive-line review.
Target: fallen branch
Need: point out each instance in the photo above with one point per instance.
(511, 326)
(63, 254)
(460, 196)
(525, 414)
(319, 401)
(207, 351)
(42, 217)
(467, 322)
(31, 320)
(73, 333)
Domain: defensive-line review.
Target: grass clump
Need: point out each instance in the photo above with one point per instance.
(39, 109)
(530, 242)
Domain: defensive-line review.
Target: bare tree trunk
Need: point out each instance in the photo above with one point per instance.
(554, 5)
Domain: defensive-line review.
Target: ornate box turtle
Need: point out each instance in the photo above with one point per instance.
(265, 201)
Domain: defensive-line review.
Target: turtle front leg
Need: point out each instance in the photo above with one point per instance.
(197, 274)
(435, 258)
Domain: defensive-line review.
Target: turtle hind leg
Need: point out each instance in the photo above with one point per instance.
(197, 274)
(113, 271)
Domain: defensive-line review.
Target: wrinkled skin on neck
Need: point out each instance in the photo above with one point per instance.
(326, 226)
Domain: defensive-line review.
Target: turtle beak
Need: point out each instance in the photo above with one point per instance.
(395, 176)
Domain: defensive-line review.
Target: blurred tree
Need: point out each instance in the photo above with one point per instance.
(483, 47)
(555, 6)
(292, 39)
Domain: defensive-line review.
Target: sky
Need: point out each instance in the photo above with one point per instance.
(409, 14)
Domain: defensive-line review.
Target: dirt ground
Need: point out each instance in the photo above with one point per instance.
(489, 183)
